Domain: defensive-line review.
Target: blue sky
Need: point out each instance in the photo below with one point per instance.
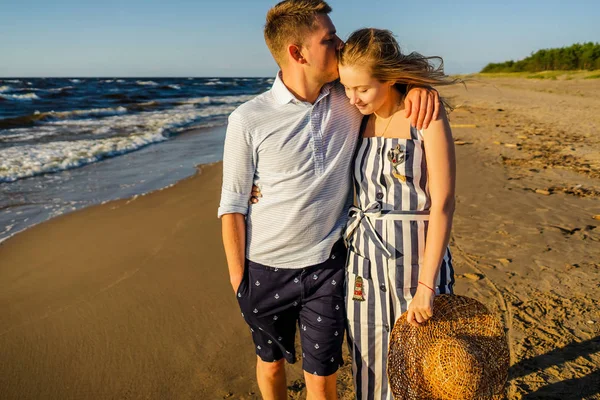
(224, 38)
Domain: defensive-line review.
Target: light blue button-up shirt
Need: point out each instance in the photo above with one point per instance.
(300, 155)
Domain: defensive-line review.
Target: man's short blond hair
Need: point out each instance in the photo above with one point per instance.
(288, 22)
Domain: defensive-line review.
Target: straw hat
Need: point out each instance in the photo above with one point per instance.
(460, 353)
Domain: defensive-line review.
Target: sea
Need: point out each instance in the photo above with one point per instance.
(68, 143)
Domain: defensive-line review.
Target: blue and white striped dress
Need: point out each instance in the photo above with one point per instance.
(386, 239)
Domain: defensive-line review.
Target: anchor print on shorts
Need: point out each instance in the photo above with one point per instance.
(397, 157)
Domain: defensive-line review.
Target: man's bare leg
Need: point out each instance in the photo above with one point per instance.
(271, 379)
(321, 387)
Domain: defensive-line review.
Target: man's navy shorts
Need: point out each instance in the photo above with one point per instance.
(275, 300)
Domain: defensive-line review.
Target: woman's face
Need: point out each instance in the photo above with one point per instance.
(365, 92)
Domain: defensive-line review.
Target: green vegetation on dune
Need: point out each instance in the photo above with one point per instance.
(547, 75)
(584, 56)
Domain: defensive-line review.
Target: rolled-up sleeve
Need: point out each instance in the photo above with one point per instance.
(239, 165)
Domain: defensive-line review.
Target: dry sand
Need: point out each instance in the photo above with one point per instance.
(131, 300)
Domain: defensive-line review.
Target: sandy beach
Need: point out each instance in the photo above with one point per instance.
(131, 299)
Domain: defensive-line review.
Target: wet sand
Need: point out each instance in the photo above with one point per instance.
(131, 299)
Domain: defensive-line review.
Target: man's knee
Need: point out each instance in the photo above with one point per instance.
(321, 387)
(270, 368)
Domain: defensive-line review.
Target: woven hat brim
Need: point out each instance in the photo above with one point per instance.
(453, 317)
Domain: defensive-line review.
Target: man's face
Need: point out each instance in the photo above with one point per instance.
(320, 48)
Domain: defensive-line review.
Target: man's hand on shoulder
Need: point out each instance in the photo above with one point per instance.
(422, 105)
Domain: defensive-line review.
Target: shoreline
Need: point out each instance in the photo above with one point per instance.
(111, 179)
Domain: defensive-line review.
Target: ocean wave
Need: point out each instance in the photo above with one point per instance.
(146, 128)
(75, 80)
(28, 120)
(25, 161)
(176, 87)
(5, 89)
(60, 89)
(219, 99)
(165, 120)
(20, 97)
(26, 134)
(147, 83)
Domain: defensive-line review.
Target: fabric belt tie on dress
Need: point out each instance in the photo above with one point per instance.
(373, 212)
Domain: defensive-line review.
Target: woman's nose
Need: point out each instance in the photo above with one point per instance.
(352, 98)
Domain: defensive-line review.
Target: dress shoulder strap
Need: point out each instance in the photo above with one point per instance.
(416, 134)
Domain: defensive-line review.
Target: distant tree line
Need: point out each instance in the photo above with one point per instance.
(575, 57)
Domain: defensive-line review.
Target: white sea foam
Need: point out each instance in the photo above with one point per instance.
(147, 83)
(5, 89)
(177, 87)
(90, 112)
(23, 161)
(25, 134)
(75, 80)
(219, 99)
(60, 89)
(144, 128)
(20, 97)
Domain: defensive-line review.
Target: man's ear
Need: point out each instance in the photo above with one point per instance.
(295, 53)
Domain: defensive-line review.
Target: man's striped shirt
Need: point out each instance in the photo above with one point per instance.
(299, 155)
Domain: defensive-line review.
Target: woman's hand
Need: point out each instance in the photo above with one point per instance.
(255, 194)
(421, 306)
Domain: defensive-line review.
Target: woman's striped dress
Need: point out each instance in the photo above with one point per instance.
(386, 239)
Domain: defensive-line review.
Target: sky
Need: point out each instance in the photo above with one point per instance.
(196, 38)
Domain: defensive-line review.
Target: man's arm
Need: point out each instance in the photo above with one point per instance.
(422, 106)
(234, 241)
(238, 173)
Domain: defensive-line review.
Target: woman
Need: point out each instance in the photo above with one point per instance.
(398, 231)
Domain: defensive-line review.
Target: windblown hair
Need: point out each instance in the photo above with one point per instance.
(378, 50)
(288, 22)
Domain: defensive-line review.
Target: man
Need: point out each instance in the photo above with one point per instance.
(285, 255)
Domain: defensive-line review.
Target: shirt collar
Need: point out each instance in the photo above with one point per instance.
(283, 95)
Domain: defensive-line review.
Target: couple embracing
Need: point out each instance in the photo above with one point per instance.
(354, 160)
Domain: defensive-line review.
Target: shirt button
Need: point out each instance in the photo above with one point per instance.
(382, 287)
(387, 327)
(379, 196)
(333, 257)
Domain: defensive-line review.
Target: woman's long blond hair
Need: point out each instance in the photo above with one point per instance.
(378, 50)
